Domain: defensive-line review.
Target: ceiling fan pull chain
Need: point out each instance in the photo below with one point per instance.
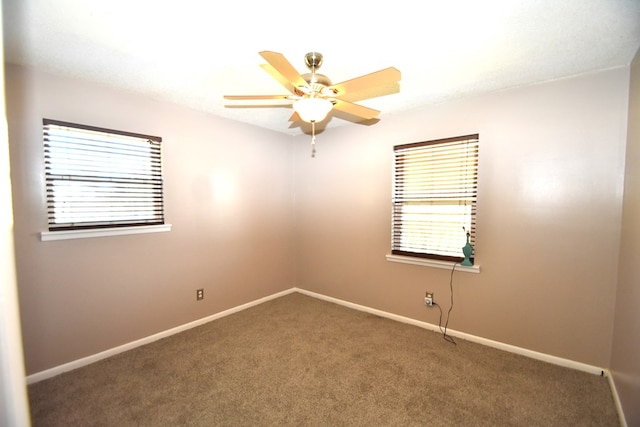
(313, 139)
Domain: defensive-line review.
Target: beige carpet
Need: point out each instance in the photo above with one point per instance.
(301, 361)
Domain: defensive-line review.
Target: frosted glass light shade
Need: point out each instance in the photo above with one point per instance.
(312, 109)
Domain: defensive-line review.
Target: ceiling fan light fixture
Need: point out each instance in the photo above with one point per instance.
(312, 109)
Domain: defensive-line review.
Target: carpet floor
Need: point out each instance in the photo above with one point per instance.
(300, 361)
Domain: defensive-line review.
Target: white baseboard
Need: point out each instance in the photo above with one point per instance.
(490, 343)
(616, 398)
(567, 363)
(49, 373)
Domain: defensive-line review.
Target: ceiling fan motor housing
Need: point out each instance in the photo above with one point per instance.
(316, 79)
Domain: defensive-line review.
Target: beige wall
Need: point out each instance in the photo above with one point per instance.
(549, 208)
(228, 195)
(549, 216)
(625, 360)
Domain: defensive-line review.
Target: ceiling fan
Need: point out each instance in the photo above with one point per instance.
(313, 95)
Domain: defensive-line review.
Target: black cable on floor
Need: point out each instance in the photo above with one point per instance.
(446, 337)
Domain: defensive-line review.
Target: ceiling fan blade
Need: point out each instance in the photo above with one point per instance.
(373, 92)
(385, 77)
(279, 77)
(295, 117)
(284, 68)
(255, 97)
(355, 109)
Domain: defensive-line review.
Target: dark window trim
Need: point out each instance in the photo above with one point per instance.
(99, 129)
(114, 224)
(435, 141)
(427, 255)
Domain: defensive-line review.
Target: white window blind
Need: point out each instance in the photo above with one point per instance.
(101, 178)
(434, 197)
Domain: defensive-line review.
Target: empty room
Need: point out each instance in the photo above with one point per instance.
(342, 213)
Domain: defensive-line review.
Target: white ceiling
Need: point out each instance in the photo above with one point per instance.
(193, 52)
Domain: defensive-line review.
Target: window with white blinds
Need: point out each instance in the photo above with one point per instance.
(434, 198)
(99, 178)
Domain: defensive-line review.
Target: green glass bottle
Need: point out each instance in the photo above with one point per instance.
(467, 250)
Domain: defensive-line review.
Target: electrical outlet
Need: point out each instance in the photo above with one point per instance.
(199, 294)
(428, 299)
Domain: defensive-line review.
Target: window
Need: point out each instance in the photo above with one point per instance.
(434, 198)
(98, 178)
